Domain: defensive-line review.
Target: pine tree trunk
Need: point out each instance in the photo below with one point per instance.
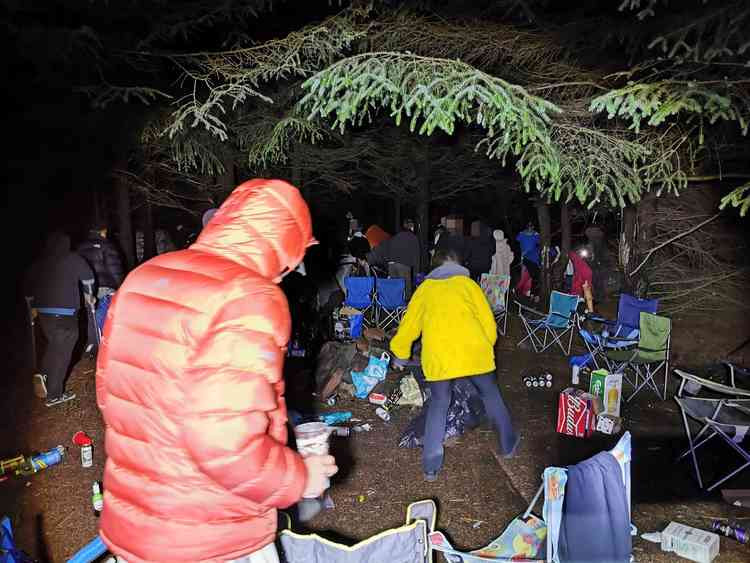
(98, 208)
(646, 232)
(396, 214)
(628, 246)
(565, 239)
(545, 229)
(149, 239)
(423, 210)
(125, 222)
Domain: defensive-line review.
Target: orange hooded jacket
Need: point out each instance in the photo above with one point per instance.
(189, 383)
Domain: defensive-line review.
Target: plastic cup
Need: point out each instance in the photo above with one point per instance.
(312, 439)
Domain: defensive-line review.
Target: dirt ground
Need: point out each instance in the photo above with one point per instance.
(53, 517)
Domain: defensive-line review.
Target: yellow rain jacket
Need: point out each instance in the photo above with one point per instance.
(458, 329)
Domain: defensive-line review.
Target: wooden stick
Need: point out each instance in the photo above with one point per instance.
(674, 238)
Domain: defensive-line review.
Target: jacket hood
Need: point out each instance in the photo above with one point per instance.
(448, 270)
(57, 243)
(264, 225)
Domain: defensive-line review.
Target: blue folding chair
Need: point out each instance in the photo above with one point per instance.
(618, 334)
(359, 294)
(390, 299)
(545, 329)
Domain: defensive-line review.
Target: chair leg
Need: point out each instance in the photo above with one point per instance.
(740, 451)
(697, 445)
(692, 451)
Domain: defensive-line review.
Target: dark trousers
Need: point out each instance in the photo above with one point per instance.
(397, 270)
(534, 272)
(437, 414)
(61, 334)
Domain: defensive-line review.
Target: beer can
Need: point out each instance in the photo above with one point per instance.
(527, 381)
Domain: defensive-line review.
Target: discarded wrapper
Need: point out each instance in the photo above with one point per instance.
(607, 424)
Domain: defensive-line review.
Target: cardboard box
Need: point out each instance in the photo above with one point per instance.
(690, 543)
(575, 413)
(607, 387)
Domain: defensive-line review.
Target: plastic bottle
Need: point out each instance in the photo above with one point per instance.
(612, 397)
(97, 500)
(43, 460)
(87, 450)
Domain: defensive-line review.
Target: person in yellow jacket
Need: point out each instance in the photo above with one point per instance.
(451, 314)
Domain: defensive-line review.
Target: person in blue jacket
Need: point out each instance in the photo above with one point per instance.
(528, 239)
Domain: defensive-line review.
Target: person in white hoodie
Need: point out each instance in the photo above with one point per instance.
(503, 256)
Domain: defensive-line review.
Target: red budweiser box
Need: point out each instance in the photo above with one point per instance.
(575, 413)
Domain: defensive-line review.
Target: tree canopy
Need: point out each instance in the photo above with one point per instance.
(601, 103)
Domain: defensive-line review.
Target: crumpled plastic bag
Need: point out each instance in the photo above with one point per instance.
(374, 373)
(464, 413)
(411, 394)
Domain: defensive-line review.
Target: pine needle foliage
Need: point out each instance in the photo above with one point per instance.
(739, 197)
(437, 94)
(656, 102)
(223, 81)
(269, 142)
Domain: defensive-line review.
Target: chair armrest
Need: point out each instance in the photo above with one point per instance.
(598, 319)
(529, 309)
(712, 385)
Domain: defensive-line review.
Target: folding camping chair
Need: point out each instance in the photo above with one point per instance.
(648, 357)
(726, 416)
(390, 300)
(525, 529)
(554, 325)
(616, 334)
(496, 288)
(359, 294)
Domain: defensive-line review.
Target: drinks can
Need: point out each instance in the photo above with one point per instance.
(527, 381)
(382, 413)
(548, 376)
(549, 383)
(342, 431)
(330, 401)
(87, 455)
(731, 531)
(535, 383)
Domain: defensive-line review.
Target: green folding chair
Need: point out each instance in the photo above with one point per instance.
(649, 357)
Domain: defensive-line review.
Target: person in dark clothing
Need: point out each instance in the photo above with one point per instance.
(482, 246)
(453, 240)
(104, 258)
(400, 254)
(600, 261)
(52, 283)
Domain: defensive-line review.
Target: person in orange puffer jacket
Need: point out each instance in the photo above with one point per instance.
(190, 386)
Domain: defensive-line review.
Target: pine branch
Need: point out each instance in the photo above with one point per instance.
(437, 94)
(739, 197)
(234, 77)
(657, 102)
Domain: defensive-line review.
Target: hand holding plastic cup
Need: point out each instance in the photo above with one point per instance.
(312, 439)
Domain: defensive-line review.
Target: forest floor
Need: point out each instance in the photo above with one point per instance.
(476, 496)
